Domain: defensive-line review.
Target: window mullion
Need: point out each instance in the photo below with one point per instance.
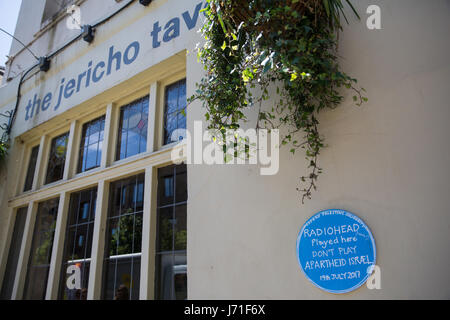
(22, 264)
(108, 136)
(70, 151)
(148, 244)
(151, 121)
(58, 247)
(98, 241)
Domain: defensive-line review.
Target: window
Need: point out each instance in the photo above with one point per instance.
(31, 168)
(13, 256)
(57, 159)
(175, 109)
(41, 250)
(171, 267)
(78, 245)
(91, 144)
(133, 129)
(54, 7)
(124, 239)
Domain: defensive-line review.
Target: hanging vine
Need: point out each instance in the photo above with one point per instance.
(291, 44)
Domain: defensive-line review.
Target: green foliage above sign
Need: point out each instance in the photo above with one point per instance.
(3, 150)
(251, 45)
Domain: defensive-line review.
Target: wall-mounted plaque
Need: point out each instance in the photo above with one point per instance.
(336, 251)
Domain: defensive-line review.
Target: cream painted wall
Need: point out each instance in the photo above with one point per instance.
(387, 162)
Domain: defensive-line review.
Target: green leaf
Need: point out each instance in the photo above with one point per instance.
(294, 76)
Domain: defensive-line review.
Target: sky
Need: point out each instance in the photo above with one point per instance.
(9, 11)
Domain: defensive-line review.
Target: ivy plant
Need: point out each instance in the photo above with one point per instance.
(292, 45)
(3, 150)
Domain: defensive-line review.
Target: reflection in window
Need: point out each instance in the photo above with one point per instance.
(13, 256)
(78, 245)
(31, 168)
(91, 144)
(175, 109)
(133, 129)
(171, 267)
(124, 239)
(57, 159)
(41, 250)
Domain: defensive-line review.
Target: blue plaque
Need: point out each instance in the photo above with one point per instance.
(336, 251)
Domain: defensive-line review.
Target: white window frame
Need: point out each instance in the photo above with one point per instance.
(156, 156)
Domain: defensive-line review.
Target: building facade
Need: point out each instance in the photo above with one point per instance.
(93, 206)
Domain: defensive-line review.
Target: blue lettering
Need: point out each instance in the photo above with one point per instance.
(60, 94)
(126, 58)
(95, 77)
(102, 68)
(80, 77)
(113, 56)
(70, 88)
(46, 102)
(172, 29)
(155, 35)
(192, 22)
(28, 107)
(88, 76)
(36, 105)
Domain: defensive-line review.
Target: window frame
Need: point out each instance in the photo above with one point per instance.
(110, 217)
(26, 166)
(156, 156)
(178, 111)
(79, 157)
(34, 240)
(172, 205)
(60, 133)
(89, 223)
(117, 151)
(159, 125)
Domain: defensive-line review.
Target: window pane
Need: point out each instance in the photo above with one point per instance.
(180, 236)
(91, 144)
(133, 129)
(172, 98)
(122, 279)
(94, 131)
(165, 229)
(171, 124)
(181, 122)
(175, 106)
(40, 254)
(181, 177)
(57, 159)
(31, 168)
(13, 256)
(124, 239)
(182, 95)
(171, 276)
(70, 282)
(78, 245)
(137, 239)
(91, 156)
(112, 236)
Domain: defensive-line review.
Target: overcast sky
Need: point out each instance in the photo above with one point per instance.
(9, 10)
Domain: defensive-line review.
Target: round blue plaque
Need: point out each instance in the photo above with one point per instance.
(336, 251)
